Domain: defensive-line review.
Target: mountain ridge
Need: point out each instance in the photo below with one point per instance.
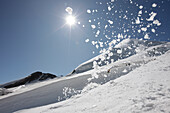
(34, 77)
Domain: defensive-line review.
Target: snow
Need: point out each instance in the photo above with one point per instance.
(153, 30)
(156, 22)
(4, 91)
(140, 7)
(110, 22)
(152, 16)
(144, 89)
(97, 33)
(88, 11)
(119, 51)
(69, 10)
(109, 8)
(139, 83)
(144, 29)
(93, 26)
(137, 20)
(146, 36)
(154, 5)
(87, 40)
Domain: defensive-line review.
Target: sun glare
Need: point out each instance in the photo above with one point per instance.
(70, 20)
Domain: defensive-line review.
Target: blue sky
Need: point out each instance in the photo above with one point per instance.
(33, 36)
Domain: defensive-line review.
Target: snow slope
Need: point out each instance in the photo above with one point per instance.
(145, 89)
(92, 88)
(124, 49)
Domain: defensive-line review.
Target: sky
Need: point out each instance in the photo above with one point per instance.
(34, 35)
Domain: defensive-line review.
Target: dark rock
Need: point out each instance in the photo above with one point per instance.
(34, 77)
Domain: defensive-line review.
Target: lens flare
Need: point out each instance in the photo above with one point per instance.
(71, 20)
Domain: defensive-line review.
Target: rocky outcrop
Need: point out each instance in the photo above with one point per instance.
(34, 77)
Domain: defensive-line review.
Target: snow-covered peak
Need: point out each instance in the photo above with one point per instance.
(126, 48)
(34, 77)
(123, 43)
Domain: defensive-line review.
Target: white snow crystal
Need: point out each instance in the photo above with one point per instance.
(93, 42)
(97, 33)
(146, 36)
(88, 11)
(112, 0)
(78, 22)
(113, 42)
(90, 21)
(140, 7)
(140, 12)
(154, 5)
(120, 35)
(111, 22)
(153, 30)
(87, 40)
(69, 10)
(97, 46)
(101, 44)
(109, 8)
(137, 20)
(139, 31)
(93, 26)
(152, 16)
(119, 51)
(106, 26)
(156, 22)
(144, 29)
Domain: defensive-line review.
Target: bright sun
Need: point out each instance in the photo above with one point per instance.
(70, 20)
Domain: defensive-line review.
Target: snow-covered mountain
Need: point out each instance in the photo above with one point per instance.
(34, 77)
(124, 49)
(137, 80)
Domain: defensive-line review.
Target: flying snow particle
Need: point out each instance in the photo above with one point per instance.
(119, 51)
(140, 7)
(112, 0)
(152, 16)
(101, 44)
(156, 22)
(97, 46)
(137, 20)
(146, 36)
(113, 42)
(153, 30)
(120, 35)
(89, 21)
(139, 31)
(93, 26)
(111, 22)
(97, 33)
(140, 13)
(154, 5)
(69, 10)
(144, 29)
(88, 11)
(109, 8)
(106, 26)
(87, 40)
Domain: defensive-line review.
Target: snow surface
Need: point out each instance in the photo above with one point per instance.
(139, 83)
(144, 89)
